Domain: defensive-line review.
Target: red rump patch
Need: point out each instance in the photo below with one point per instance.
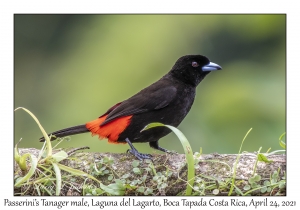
(111, 130)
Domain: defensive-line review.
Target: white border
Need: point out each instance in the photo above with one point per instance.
(8, 8)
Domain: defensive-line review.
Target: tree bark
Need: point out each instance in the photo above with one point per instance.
(214, 174)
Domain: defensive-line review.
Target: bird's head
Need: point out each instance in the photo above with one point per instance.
(191, 69)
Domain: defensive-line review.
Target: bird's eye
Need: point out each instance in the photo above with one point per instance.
(195, 64)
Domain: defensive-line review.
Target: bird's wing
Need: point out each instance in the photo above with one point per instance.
(144, 101)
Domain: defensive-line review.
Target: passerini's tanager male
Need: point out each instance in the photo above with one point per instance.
(167, 101)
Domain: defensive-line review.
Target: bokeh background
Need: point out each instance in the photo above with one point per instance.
(69, 69)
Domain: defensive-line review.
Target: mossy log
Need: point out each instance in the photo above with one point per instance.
(165, 175)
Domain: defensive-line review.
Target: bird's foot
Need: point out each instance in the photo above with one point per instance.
(134, 151)
(140, 156)
(166, 151)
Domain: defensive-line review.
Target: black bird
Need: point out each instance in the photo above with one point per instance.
(166, 101)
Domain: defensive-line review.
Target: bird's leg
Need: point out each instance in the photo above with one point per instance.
(154, 145)
(134, 151)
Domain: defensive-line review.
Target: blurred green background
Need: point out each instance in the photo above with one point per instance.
(69, 69)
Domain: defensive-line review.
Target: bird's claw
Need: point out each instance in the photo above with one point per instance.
(138, 155)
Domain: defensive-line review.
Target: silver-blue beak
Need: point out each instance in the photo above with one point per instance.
(211, 67)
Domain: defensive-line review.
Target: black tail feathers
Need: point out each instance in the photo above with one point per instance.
(67, 132)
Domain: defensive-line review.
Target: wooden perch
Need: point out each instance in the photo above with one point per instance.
(214, 174)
